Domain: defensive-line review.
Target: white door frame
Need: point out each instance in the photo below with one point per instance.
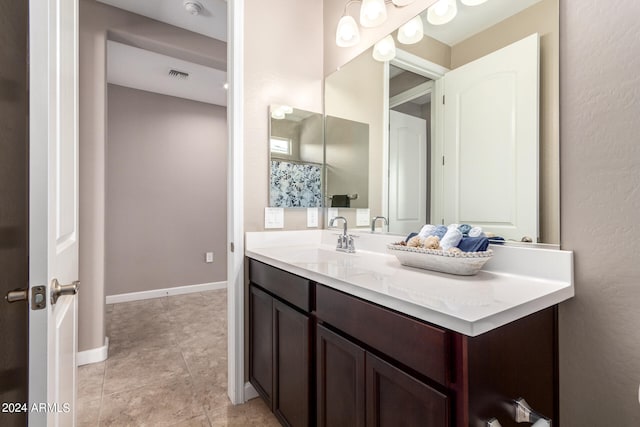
(235, 202)
(415, 64)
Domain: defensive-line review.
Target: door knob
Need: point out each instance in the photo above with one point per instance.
(57, 290)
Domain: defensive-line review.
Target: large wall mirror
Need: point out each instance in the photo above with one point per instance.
(463, 125)
(296, 158)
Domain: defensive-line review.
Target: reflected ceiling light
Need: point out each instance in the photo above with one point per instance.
(347, 33)
(472, 2)
(411, 32)
(442, 12)
(372, 13)
(279, 112)
(193, 7)
(385, 49)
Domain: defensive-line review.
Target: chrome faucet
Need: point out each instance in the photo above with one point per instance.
(373, 222)
(345, 241)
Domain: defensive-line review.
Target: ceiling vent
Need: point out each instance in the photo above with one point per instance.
(180, 75)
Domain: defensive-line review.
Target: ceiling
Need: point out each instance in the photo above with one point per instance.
(145, 70)
(473, 19)
(212, 22)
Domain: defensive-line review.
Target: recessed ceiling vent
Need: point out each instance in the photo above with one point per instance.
(180, 75)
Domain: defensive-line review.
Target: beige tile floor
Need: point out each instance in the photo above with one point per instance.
(167, 366)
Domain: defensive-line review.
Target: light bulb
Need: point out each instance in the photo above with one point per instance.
(441, 7)
(372, 13)
(347, 33)
(385, 49)
(412, 31)
(442, 12)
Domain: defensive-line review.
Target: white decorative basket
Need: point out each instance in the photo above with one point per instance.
(462, 263)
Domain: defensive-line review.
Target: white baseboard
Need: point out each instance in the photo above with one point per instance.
(249, 392)
(157, 293)
(94, 355)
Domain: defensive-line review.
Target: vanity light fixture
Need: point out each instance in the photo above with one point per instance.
(372, 14)
(279, 112)
(385, 49)
(411, 32)
(472, 2)
(442, 11)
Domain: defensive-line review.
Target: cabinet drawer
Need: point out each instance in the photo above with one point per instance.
(415, 344)
(291, 288)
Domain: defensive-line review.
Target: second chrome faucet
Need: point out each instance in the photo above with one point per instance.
(345, 241)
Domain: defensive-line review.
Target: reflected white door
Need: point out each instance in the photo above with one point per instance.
(53, 210)
(407, 173)
(491, 141)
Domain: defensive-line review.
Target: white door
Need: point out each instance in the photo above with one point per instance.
(491, 141)
(407, 173)
(53, 216)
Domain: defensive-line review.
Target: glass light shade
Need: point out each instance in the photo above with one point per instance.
(372, 13)
(442, 12)
(385, 49)
(411, 32)
(403, 2)
(279, 112)
(472, 2)
(347, 33)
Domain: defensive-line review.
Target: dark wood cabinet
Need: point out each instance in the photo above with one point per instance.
(280, 343)
(340, 368)
(261, 343)
(292, 365)
(396, 399)
(322, 357)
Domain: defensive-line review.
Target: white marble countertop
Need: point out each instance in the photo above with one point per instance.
(516, 283)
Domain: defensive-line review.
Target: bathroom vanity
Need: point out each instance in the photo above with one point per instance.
(342, 339)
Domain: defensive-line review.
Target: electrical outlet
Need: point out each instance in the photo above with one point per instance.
(208, 257)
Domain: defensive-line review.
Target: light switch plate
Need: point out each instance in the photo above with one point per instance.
(312, 217)
(331, 213)
(208, 257)
(362, 217)
(273, 217)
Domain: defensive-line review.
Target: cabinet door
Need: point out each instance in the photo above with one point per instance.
(292, 345)
(261, 342)
(395, 399)
(340, 381)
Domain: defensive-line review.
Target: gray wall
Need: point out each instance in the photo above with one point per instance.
(166, 191)
(96, 21)
(600, 211)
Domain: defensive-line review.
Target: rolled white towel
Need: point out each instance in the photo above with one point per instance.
(476, 232)
(427, 230)
(451, 239)
(452, 226)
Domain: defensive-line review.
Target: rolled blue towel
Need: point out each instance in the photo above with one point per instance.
(410, 236)
(464, 229)
(476, 232)
(474, 244)
(440, 231)
(496, 240)
(451, 239)
(427, 230)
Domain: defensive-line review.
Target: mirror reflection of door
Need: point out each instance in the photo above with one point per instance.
(409, 147)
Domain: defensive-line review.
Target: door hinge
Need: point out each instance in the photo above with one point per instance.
(443, 99)
(442, 160)
(231, 247)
